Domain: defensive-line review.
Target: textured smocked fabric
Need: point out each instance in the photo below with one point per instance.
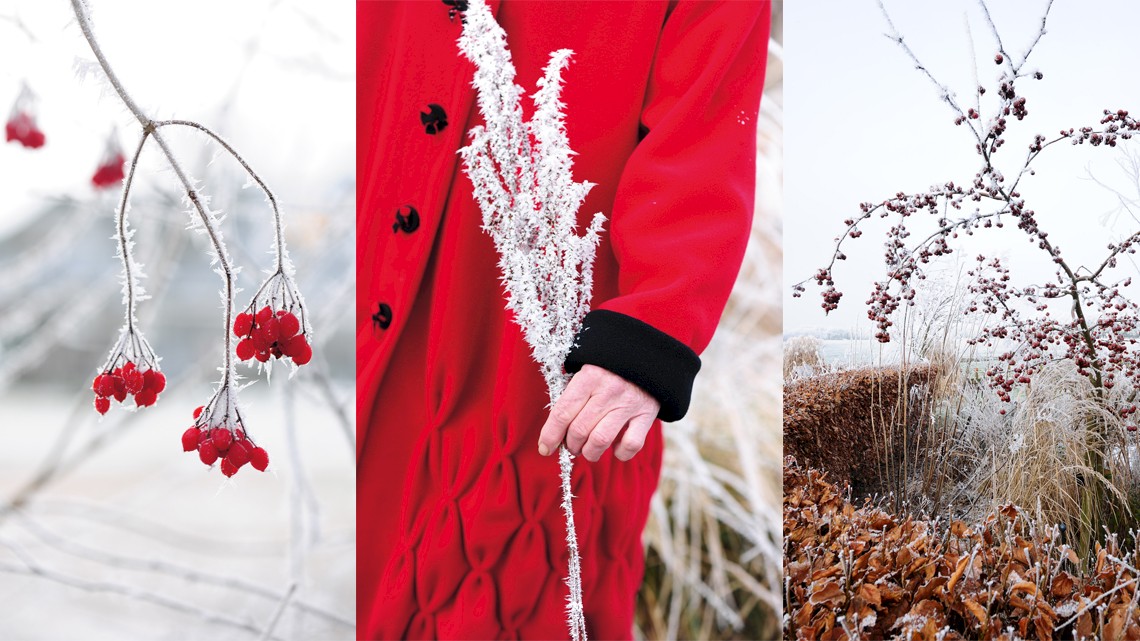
(460, 533)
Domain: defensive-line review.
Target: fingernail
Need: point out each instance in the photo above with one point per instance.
(542, 451)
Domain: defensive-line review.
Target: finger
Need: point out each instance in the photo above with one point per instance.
(603, 435)
(573, 399)
(584, 423)
(634, 438)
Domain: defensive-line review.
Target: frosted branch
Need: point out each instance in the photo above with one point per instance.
(523, 183)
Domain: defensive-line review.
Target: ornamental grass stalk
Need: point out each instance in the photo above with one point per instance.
(523, 183)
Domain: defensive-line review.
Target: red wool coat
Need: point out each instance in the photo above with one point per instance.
(460, 533)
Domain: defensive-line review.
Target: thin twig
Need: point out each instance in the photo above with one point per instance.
(278, 612)
(189, 575)
(32, 568)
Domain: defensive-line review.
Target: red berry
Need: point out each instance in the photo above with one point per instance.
(120, 389)
(264, 314)
(288, 325)
(245, 349)
(272, 329)
(104, 385)
(265, 334)
(102, 404)
(259, 459)
(190, 439)
(145, 398)
(221, 438)
(132, 380)
(154, 380)
(198, 410)
(238, 454)
(262, 356)
(229, 469)
(259, 340)
(298, 349)
(243, 324)
(207, 452)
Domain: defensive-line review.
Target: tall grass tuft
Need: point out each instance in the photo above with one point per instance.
(957, 450)
(803, 357)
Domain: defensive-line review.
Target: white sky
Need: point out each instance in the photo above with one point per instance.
(292, 109)
(862, 124)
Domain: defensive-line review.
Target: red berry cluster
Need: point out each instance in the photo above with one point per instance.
(233, 447)
(109, 172)
(127, 380)
(21, 127)
(270, 333)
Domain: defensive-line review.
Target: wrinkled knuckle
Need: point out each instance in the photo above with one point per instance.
(588, 448)
(634, 444)
(579, 430)
(603, 437)
(560, 415)
(633, 395)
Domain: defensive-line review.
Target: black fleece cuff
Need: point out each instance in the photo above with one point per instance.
(641, 354)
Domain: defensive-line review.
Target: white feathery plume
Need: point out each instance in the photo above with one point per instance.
(523, 183)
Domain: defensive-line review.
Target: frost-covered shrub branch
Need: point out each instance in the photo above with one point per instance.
(274, 324)
(521, 172)
(1096, 338)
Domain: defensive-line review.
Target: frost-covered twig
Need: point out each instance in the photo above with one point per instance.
(207, 218)
(283, 270)
(190, 575)
(523, 184)
(30, 567)
(268, 633)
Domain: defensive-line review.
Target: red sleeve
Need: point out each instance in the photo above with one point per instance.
(683, 208)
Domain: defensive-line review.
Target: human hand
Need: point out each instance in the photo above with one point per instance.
(596, 405)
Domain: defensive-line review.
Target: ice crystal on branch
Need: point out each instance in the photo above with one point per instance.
(521, 172)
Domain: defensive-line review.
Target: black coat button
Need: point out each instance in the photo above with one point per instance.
(406, 224)
(455, 8)
(383, 316)
(435, 120)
